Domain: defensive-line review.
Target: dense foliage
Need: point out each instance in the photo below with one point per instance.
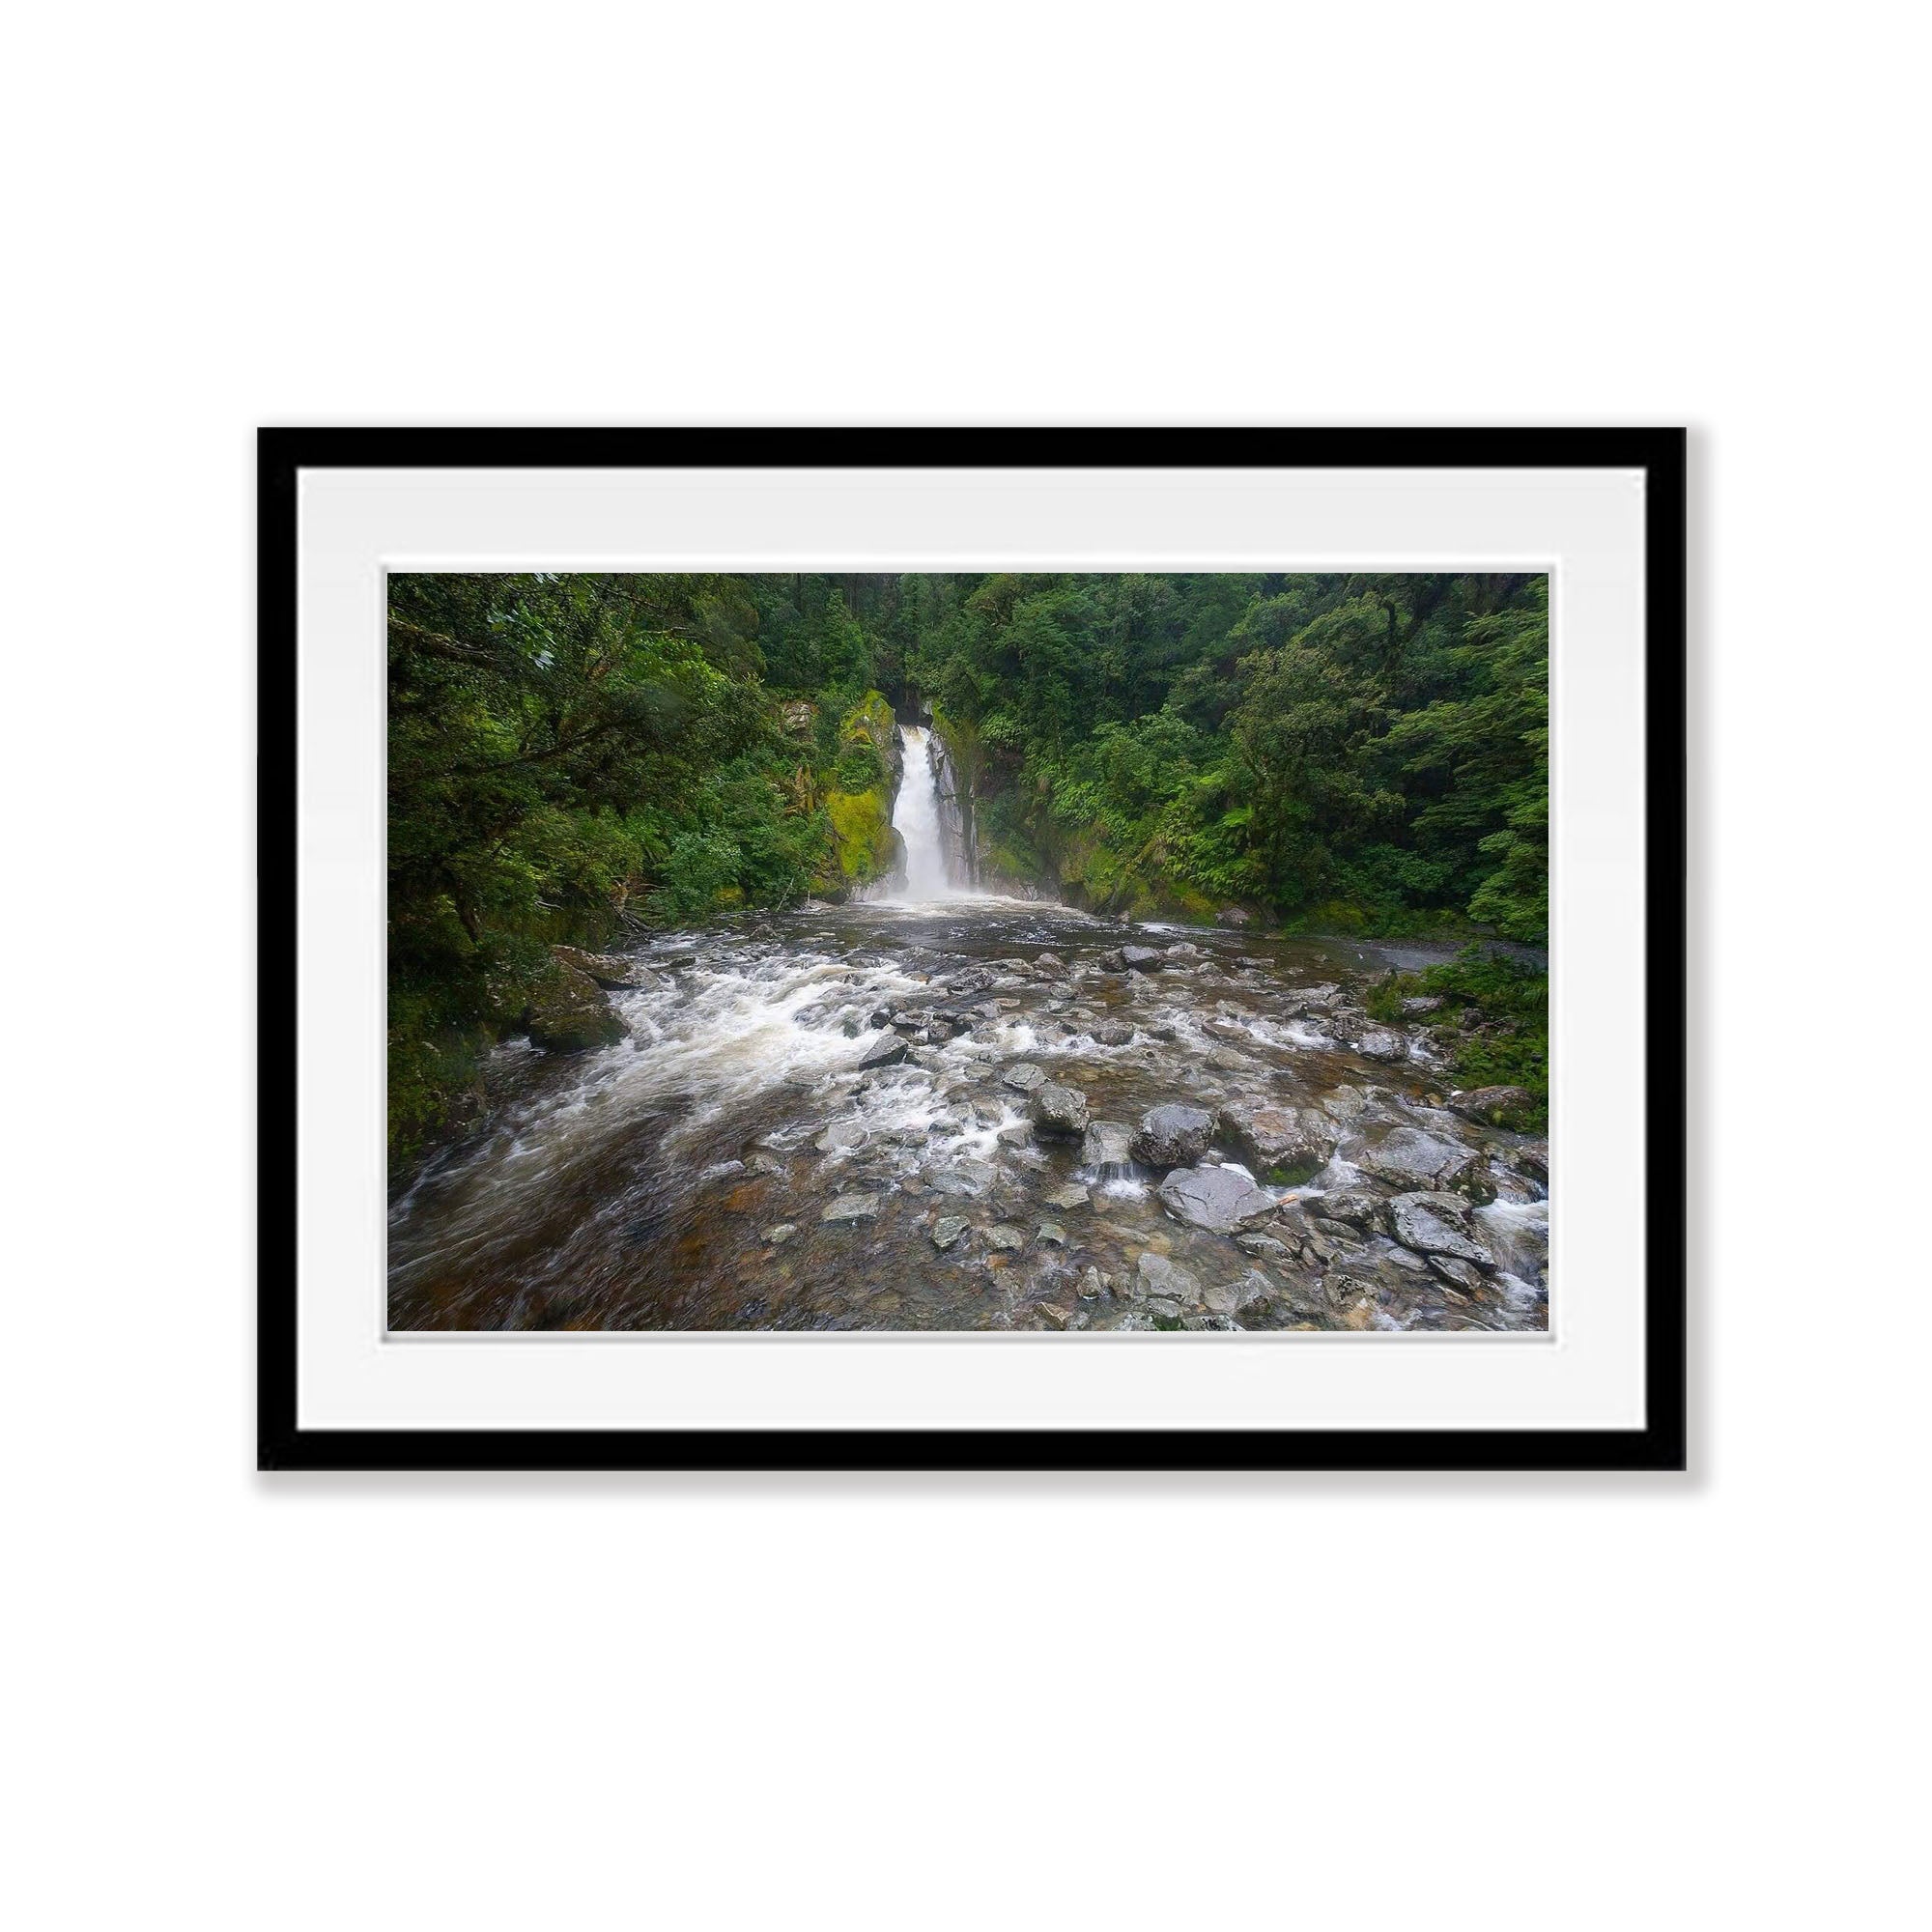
(1343, 751)
(572, 753)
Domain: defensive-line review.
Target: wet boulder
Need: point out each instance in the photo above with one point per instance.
(852, 1208)
(1352, 1206)
(1108, 1145)
(946, 1230)
(1112, 1033)
(1174, 1135)
(889, 1052)
(1252, 1292)
(608, 969)
(1156, 1276)
(1436, 1224)
(1264, 1247)
(1140, 956)
(1059, 1112)
(968, 1178)
(568, 1013)
(1379, 1043)
(1023, 1077)
(1285, 1144)
(1460, 1274)
(1412, 1159)
(1220, 1198)
(842, 1137)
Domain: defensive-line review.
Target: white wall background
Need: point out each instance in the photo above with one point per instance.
(409, 1703)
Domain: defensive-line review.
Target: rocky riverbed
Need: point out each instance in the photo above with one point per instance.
(978, 1114)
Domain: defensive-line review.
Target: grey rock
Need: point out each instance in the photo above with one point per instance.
(1264, 1247)
(1059, 1112)
(608, 969)
(1069, 1197)
(889, 1052)
(841, 1137)
(1006, 1238)
(1023, 1077)
(946, 1230)
(1423, 1003)
(1252, 1290)
(1433, 1224)
(968, 1178)
(1279, 1138)
(1410, 1158)
(1108, 1145)
(1162, 1308)
(1459, 1273)
(1379, 1044)
(1218, 1197)
(1155, 1274)
(1112, 1033)
(1351, 1205)
(1050, 1232)
(778, 1236)
(1140, 956)
(1055, 1317)
(1092, 1286)
(1173, 1135)
(853, 1208)
(1345, 1103)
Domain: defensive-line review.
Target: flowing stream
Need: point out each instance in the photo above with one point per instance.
(835, 1118)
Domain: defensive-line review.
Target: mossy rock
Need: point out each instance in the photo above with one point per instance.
(865, 848)
(568, 1013)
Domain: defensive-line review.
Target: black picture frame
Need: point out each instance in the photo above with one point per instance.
(1660, 1444)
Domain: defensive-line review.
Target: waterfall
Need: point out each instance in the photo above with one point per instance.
(916, 820)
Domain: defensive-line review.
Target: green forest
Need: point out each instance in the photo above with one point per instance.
(571, 756)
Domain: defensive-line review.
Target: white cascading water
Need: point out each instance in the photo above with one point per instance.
(916, 820)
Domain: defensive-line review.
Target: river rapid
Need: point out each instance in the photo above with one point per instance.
(941, 1111)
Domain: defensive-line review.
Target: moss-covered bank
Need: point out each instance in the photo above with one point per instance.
(859, 802)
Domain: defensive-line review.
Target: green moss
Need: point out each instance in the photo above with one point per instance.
(1295, 1173)
(865, 846)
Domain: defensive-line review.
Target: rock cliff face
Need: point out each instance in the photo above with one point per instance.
(868, 851)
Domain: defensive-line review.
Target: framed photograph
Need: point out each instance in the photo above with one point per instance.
(972, 948)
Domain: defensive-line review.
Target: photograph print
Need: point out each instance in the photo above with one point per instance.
(1032, 953)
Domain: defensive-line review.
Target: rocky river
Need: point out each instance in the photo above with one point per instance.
(960, 1111)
